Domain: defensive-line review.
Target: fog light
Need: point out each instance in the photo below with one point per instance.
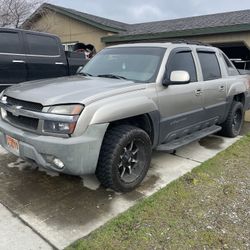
(58, 163)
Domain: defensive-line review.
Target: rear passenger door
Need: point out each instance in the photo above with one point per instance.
(213, 85)
(44, 57)
(12, 58)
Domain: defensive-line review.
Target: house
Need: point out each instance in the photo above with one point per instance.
(229, 31)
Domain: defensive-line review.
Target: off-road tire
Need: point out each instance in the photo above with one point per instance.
(114, 143)
(229, 129)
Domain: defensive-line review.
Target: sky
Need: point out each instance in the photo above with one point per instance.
(137, 11)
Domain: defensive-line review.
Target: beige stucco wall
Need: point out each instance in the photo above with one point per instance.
(70, 30)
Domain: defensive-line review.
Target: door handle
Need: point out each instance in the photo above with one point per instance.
(18, 61)
(198, 92)
(59, 63)
(222, 88)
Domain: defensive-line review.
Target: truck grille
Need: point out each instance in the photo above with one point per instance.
(23, 121)
(25, 105)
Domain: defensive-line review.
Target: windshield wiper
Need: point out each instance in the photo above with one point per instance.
(84, 74)
(113, 76)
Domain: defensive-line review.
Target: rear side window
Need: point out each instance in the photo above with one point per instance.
(10, 43)
(182, 61)
(42, 45)
(231, 70)
(209, 65)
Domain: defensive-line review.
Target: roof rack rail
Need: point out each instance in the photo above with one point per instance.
(190, 42)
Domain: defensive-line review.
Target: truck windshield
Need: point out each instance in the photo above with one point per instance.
(139, 64)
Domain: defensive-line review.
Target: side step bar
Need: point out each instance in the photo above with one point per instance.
(170, 146)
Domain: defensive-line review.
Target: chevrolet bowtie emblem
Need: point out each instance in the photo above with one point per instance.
(15, 110)
(18, 107)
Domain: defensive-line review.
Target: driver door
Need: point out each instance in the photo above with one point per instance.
(180, 105)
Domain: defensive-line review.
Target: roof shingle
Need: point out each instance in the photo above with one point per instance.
(182, 26)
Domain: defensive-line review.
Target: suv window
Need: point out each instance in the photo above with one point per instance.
(209, 65)
(231, 70)
(42, 45)
(182, 61)
(10, 43)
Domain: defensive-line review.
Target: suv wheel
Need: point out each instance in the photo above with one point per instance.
(233, 124)
(124, 158)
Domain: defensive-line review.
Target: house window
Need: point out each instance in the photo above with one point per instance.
(69, 46)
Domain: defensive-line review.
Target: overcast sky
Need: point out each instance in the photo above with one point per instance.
(135, 11)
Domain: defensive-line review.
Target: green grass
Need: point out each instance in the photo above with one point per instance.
(205, 209)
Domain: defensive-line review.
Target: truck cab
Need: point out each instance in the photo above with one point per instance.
(28, 55)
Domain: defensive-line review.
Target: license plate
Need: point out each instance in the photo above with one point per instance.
(13, 144)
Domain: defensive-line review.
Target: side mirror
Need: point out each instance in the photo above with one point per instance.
(177, 77)
(79, 69)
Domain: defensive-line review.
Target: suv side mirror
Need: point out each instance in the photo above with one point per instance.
(79, 69)
(177, 77)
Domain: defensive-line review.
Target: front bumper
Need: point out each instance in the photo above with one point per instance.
(79, 154)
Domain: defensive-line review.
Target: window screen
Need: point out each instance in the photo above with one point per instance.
(209, 65)
(42, 45)
(10, 43)
(182, 61)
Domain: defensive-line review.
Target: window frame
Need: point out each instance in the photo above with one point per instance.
(231, 70)
(177, 51)
(209, 51)
(67, 44)
(21, 49)
(28, 52)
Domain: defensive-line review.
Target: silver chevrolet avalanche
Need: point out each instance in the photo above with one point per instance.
(127, 101)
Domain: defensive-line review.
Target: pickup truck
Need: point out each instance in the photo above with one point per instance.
(127, 101)
(27, 55)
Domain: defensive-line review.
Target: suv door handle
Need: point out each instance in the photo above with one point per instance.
(198, 92)
(222, 88)
(59, 63)
(18, 61)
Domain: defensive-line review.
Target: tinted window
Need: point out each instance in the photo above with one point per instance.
(227, 61)
(9, 42)
(231, 70)
(182, 61)
(42, 45)
(209, 65)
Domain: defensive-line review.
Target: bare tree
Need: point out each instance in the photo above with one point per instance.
(14, 12)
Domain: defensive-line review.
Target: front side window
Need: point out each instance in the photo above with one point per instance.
(10, 43)
(139, 64)
(42, 45)
(182, 61)
(209, 65)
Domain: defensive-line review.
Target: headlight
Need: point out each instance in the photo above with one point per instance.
(59, 127)
(74, 109)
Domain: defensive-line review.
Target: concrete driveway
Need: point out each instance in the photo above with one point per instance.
(43, 210)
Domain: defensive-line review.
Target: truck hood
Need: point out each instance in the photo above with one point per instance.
(74, 89)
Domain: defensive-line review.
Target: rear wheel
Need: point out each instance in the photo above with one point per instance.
(124, 158)
(233, 124)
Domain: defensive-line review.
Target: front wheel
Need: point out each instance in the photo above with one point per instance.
(233, 124)
(124, 158)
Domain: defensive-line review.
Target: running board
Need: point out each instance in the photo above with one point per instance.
(188, 139)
